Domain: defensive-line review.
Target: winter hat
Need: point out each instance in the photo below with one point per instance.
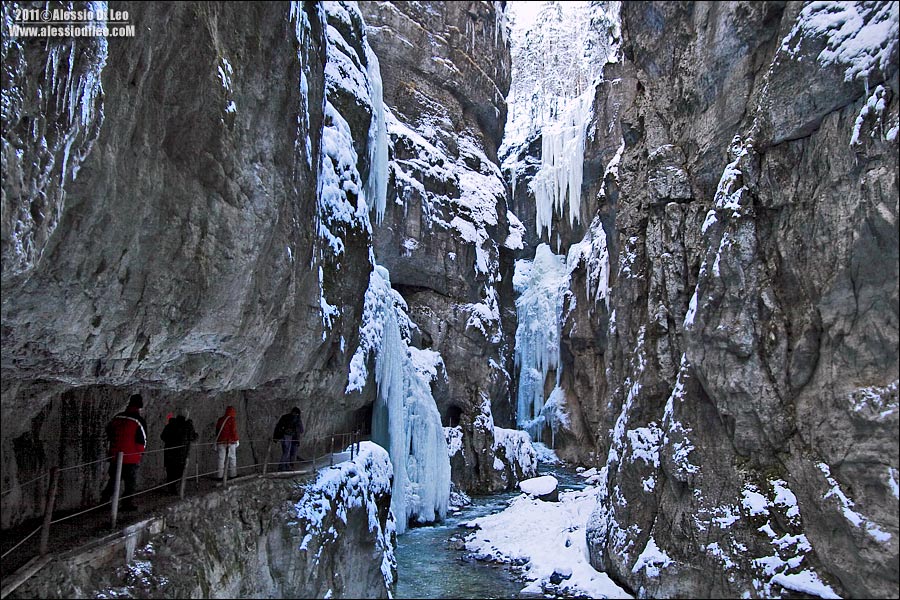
(295, 410)
(136, 400)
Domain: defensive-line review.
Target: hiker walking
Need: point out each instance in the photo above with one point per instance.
(227, 443)
(288, 432)
(177, 436)
(127, 433)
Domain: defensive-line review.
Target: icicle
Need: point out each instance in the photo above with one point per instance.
(376, 184)
(562, 162)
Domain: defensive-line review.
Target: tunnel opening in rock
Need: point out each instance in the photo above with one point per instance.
(451, 415)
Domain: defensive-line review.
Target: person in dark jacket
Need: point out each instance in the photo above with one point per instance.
(127, 433)
(177, 436)
(288, 432)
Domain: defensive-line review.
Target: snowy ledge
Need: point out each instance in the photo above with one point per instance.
(364, 482)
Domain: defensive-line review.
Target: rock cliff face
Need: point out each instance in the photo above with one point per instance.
(750, 421)
(183, 261)
(204, 231)
(191, 226)
(332, 537)
(445, 237)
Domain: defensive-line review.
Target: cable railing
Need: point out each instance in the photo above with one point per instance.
(348, 441)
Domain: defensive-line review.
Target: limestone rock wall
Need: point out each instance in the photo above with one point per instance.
(751, 361)
(184, 263)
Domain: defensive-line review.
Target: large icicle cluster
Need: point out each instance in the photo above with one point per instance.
(558, 182)
(541, 285)
(406, 420)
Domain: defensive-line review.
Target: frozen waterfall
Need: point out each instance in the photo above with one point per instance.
(405, 420)
(376, 184)
(541, 285)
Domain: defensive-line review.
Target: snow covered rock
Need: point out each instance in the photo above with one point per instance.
(542, 488)
(446, 236)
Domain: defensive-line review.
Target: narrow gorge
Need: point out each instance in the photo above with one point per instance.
(657, 238)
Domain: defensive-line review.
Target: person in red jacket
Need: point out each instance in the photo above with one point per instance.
(227, 442)
(127, 433)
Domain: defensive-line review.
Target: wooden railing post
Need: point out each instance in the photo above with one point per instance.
(117, 488)
(184, 475)
(48, 511)
(266, 458)
(225, 466)
(331, 452)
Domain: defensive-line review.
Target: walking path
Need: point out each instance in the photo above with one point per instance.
(95, 525)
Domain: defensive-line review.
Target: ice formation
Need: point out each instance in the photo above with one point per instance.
(405, 420)
(541, 285)
(376, 184)
(558, 182)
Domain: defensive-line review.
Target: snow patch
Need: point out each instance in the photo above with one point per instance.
(805, 582)
(873, 108)
(847, 504)
(454, 436)
(545, 455)
(859, 35)
(651, 559)
(545, 537)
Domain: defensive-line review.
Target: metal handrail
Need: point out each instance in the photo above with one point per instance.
(353, 439)
(145, 452)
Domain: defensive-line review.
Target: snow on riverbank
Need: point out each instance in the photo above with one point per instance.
(548, 539)
(545, 455)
